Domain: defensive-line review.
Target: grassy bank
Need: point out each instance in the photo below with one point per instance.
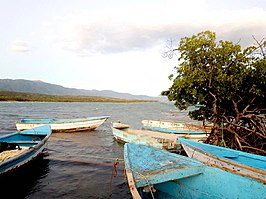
(34, 97)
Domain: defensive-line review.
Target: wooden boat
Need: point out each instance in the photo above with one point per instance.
(124, 133)
(245, 164)
(163, 140)
(22, 147)
(199, 132)
(119, 125)
(64, 125)
(155, 173)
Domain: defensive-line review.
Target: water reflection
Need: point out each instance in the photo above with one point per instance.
(25, 180)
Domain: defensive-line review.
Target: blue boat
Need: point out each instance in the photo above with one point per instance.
(156, 173)
(124, 133)
(19, 148)
(245, 164)
(64, 124)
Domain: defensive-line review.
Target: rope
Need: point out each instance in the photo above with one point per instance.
(149, 185)
(114, 174)
(36, 133)
(114, 163)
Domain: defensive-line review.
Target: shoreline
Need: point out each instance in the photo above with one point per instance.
(8, 96)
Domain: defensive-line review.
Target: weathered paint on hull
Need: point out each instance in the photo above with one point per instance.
(175, 176)
(24, 159)
(225, 164)
(66, 127)
(176, 127)
(33, 142)
(150, 138)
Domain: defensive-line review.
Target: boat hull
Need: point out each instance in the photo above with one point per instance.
(163, 140)
(195, 132)
(229, 164)
(66, 125)
(22, 160)
(157, 173)
(145, 137)
(31, 146)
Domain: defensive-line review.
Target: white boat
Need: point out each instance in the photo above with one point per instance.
(119, 125)
(64, 125)
(195, 132)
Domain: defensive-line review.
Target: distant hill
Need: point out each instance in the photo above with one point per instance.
(21, 85)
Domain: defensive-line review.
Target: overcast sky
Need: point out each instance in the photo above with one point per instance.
(113, 44)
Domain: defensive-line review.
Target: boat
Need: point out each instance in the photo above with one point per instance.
(241, 163)
(156, 173)
(64, 125)
(163, 140)
(124, 133)
(19, 148)
(119, 125)
(197, 132)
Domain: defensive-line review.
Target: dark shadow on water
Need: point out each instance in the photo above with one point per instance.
(24, 181)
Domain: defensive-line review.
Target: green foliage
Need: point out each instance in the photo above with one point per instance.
(216, 73)
(228, 85)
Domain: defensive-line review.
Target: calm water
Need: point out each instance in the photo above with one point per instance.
(79, 165)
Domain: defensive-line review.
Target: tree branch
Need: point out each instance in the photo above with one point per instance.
(260, 45)
(255, 149)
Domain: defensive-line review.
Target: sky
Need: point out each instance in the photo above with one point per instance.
(114, 44)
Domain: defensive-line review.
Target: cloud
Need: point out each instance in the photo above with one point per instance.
(140, 29)
(19, 46)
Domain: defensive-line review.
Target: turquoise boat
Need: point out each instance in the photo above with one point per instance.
(241, 163)
(156, 173)
(17, 149)
(124, 133)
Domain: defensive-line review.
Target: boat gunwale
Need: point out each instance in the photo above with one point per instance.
(17, 157)
(253, 169)
(181, 122)
(57, 121)
(170, 141)
(132, 184)
(30, 149)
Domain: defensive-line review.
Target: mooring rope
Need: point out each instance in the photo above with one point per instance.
(115, 162)
(145, 178)
(114, 174)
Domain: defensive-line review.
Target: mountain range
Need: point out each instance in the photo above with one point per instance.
(29, 86)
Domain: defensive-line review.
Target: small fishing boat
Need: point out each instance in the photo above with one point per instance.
(19, 148)
(124, 133)
(64, 125)
(245, 164)
(119, 125)
(195, 132)
(156, 173)
(163, 140)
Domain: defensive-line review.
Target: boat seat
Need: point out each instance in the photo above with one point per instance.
(168, 175)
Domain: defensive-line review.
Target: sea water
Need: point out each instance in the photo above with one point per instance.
(81, 164)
